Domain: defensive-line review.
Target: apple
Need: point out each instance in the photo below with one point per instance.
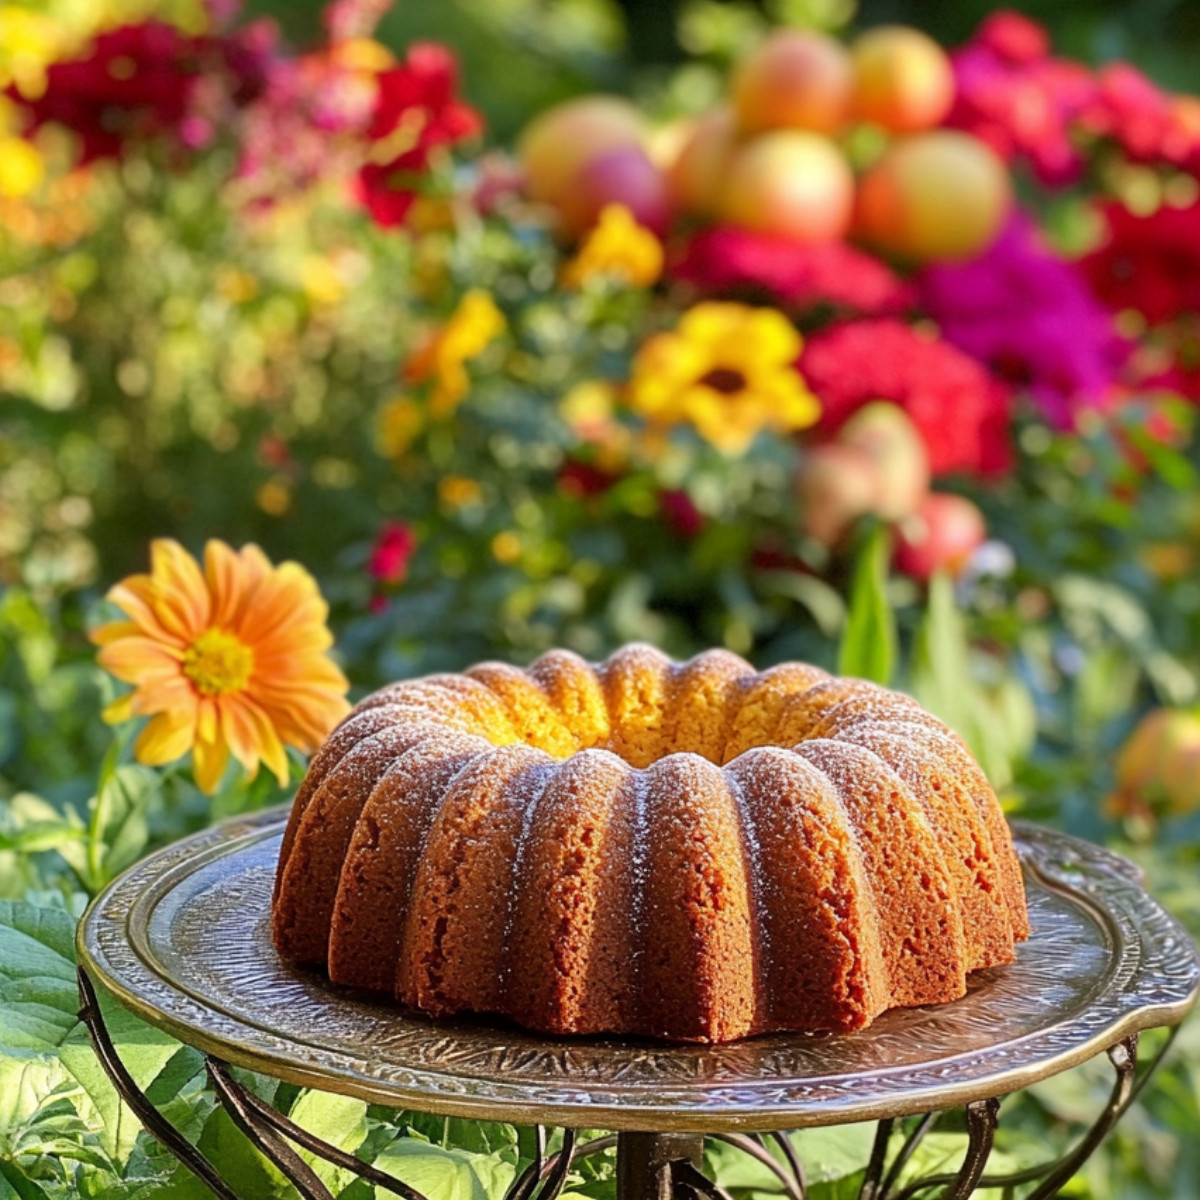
(934, 196)
(558, 143)
(903, 79)
(797, 79)
(940, 536)
(790, 183)
(835, 486)
(888, 437)
(627, 176)
(695, 175)
(1158, 767)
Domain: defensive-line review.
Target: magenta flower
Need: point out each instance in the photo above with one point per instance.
(1024, 104)
(1030, 316)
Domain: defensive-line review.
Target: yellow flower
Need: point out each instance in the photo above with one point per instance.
(29, 42)
(231, 658)
(589, 410)
(400, 423)
(468, 332)
(619, 248)
(727, 369)
(456, 492)
(21, 167)
(506, 546)
(321, 281)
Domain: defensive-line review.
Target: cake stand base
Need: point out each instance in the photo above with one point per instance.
(183, 940)
(650, 1166)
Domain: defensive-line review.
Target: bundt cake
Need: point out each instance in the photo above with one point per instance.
(694, 851)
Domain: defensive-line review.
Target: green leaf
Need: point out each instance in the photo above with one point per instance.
(122, 804)
(973, 693)
(834, 1151)
(238, 1161)
(942, 1153)
(38, 997)
(13, 1182)
(827, 1154)
(941, 670)
(25, 1084)
(38, 1015)
(446, 1174)
(868, 649)
(144, 1050)
(339, 1120)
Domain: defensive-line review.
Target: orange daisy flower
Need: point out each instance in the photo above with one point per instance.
(228, 659)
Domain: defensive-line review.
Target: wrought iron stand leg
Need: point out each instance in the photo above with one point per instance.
(151, 1119)
(261, 1123)
(648, 1163)
(871, 1189)
(1124, 1058)
(982, 1116)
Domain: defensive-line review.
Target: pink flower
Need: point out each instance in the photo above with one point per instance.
(390, 555)
(1014, 38)
(1150, 125)
(1012, 95)
(737, 262)
(1025, 104)
(309, 125)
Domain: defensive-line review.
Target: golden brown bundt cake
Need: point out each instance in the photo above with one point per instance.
(694, 851)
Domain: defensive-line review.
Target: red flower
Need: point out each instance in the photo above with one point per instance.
(959, 409)
(580, 479)
(680, 513)
(139, 81)
(388, 564)
(1150, 264)
(416, 112)
(737, 262)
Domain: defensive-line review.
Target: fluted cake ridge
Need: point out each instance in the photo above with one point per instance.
(695, 851)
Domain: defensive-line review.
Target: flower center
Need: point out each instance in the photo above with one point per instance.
(217, 662)
(725, 380)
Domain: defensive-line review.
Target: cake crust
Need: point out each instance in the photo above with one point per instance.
(693, 851)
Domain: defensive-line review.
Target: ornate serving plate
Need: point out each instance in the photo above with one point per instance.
(183, 939)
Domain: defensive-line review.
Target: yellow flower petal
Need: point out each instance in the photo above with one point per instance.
(163, 740)
(119, 711)
(209, 760)
(225, 582)
(138, 659)
(183, 603)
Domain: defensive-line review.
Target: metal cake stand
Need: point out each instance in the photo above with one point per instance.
(182, 939)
